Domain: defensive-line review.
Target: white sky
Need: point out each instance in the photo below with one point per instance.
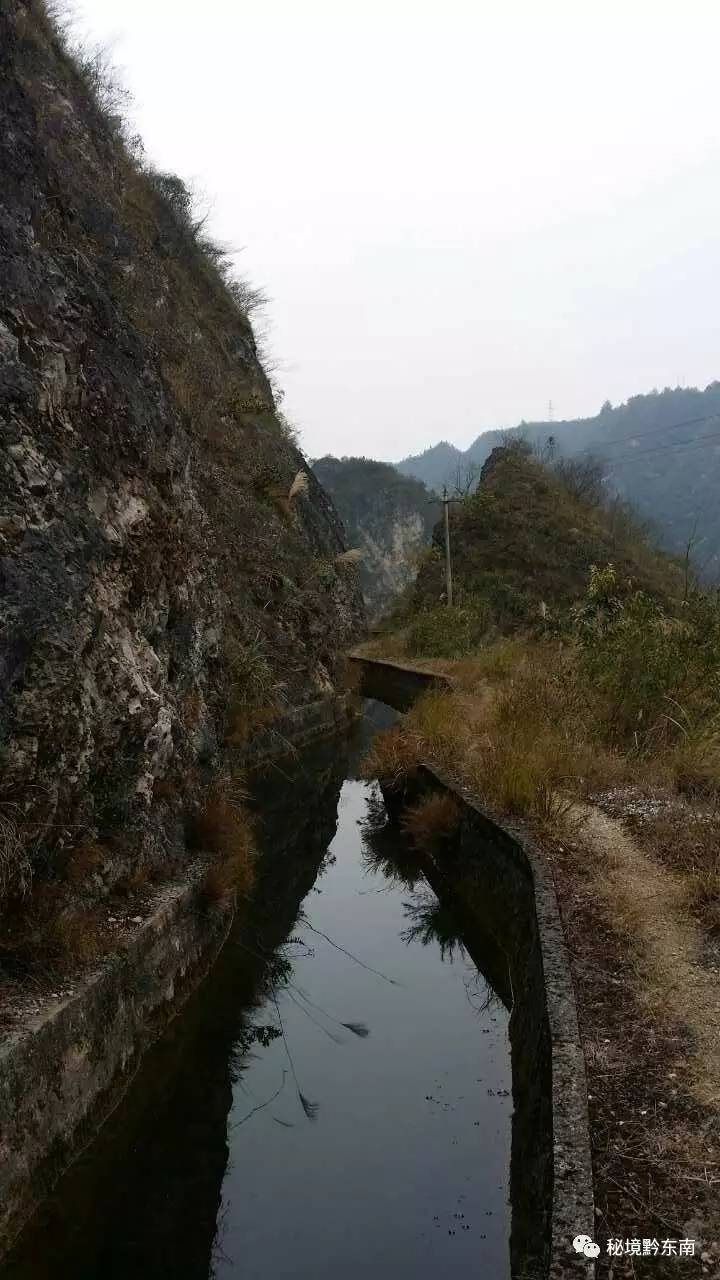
(459, 210)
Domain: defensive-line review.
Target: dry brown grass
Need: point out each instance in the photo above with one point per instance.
(436, 728)
(83, 861)
(432, 821)
(46, 934)
(702, 894)
(392, 757)
(443, 724)
(164, 789)
(74, 938)
(521, 743)
(139, 879)
(16, 870)
(243, 719)
(384, 644)
(696, 767)
(192, 709)
(225, 829)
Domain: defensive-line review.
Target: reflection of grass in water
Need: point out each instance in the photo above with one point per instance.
(384, 852)
(277, 977)
(480, 995)
(432, 922)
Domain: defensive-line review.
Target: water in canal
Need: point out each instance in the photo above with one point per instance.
(334, 1100)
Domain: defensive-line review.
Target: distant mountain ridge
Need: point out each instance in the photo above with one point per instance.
(660, 451)
(436, 466)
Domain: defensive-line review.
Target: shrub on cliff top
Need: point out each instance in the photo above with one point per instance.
(448, 632)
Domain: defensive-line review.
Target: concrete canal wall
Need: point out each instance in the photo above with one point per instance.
(501, 876)
(67, 1062)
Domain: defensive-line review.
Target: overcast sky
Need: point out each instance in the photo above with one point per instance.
(460, 211)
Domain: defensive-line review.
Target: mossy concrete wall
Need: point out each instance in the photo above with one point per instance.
(63, 1071)
(391, 682)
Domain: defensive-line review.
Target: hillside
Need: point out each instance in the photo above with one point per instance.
(388, 516)
(661, 452)
(526, 538)
(168, 563)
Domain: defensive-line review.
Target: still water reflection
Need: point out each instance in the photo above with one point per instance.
(335, 1100)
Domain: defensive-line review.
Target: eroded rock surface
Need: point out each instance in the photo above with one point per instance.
(159, 596)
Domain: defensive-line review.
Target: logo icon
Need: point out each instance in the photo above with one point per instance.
(586, 1246)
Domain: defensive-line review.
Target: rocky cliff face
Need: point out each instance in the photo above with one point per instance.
(387, 516)
(161, 594)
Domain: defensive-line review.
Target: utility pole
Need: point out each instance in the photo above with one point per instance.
(448, 562)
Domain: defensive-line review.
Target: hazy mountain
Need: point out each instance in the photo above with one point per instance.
(435, 466)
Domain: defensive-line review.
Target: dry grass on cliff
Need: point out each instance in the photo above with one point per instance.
(84, 861)
(46, 934)
(224, 829)
(75, 937)
(16, 870)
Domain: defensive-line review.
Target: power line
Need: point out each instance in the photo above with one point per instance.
(640, 435)
(697, 442)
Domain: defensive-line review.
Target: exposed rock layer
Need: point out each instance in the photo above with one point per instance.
(387, 516)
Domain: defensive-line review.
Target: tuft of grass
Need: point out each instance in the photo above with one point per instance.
(16, 870)
(164, 789)
(432, 821)
(392, 757)
(703, 895)
(74, 938)
(496, 662)
(254, 691)
(448, 632)
(224, 829)
(696, 767)
(84, 861)
(438, 722)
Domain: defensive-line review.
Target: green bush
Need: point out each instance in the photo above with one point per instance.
(448, 632)
(508, 605)
(656, 674)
